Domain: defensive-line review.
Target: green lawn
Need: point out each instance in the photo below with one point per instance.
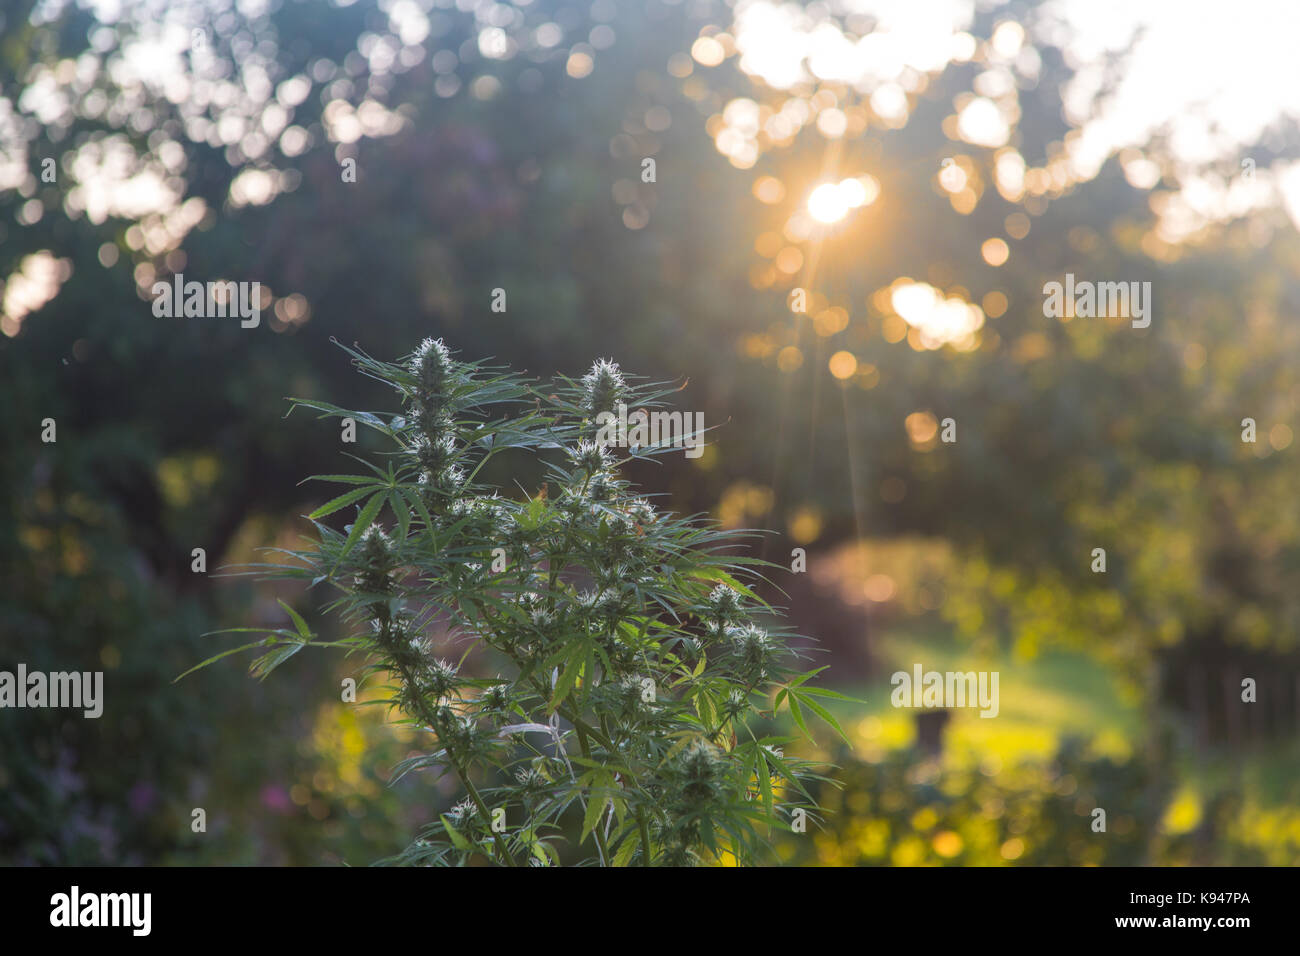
(1043, 700)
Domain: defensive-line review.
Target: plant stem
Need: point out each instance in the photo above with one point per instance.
(463, 775)
(646, 852)
(482, 808)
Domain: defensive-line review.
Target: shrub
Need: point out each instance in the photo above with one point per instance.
(644, 672)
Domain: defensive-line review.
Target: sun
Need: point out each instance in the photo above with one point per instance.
(831, 202)
(827, 204)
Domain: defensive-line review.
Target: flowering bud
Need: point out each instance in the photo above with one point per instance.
(591, 458)
(753, 650)
(376, 560)
(725, 604)
(432, 366)
(603, 388)
(434, 455)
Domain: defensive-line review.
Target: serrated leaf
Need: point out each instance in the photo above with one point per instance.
(397, 501)
(566, 681)
(626, 849)
(705, 708)
(342, 479)
(454, 835)
(764, 778)
(831, 694)
(797, 713)
(364, 520)
(595, 806)
(298, 622)
(262, 667)
(825, 715)
(216, 657)
(342, 501)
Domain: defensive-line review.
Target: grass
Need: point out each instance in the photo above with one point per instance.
(1043, 700)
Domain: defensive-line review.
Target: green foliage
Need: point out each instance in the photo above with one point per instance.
(907, 810)
(642, 670)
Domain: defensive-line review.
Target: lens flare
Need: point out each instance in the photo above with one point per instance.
(831, 202)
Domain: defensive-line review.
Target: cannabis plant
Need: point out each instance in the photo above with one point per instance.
(632, 719)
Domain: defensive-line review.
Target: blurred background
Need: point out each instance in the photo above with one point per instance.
(841, 241)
